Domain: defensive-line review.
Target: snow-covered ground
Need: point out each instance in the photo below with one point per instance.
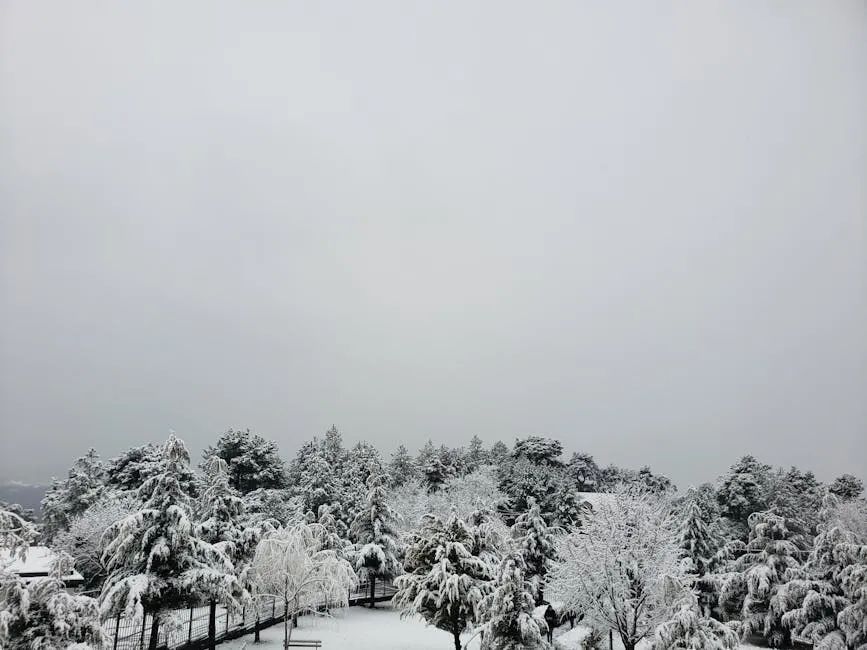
(359, 628)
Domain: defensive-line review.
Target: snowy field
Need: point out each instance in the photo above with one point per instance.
(360, 628)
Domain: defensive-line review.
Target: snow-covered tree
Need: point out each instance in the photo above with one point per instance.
(507, 611)
(84, 541)
(476, 455)
(549, 485)
(825, 600)
(295, 566)
(402, 466)
(463, 496)
(66, 498)
(622, 568)
(755, 576)
(846, 487)
(744, 489)
(539, 450)
(536, 544)
(498, 452)
(689, 630)
(253, 461)
(279, 506)
(221, 522)
(700, 541)
(156, 561)
(377, 539)
(445, 582)
(127, 472)
(797, 497)
(16, 535)
(42, 614)
(585, 472)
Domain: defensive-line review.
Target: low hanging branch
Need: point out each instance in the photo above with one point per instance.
(295, 566)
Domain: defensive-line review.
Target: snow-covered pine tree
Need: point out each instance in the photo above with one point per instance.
(744, 489)
(507, 611)
(253, 461)
(155, 559)
(825, 600)
(127, 472)
(402, 467)
(220, 513)
(83, 486)
(846, 487)
(689, 630)
(536, 543)
(498, 452)
(758, 573)
(42, 614)
(700, 541)
(445, 582)
(476, 455)
(585, 472)
(539, 450)
(377, 540)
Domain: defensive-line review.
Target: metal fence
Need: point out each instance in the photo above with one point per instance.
(188, 628)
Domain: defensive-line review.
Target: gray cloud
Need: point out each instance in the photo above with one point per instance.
(640, 230)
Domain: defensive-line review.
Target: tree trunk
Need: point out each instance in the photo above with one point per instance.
(457, 636)
(256, 628)
(372, 590)
(155, 632)
(212, 624)
(286, 624)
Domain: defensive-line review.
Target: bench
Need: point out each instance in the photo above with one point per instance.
(304, 643)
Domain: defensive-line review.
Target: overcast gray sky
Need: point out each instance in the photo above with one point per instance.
(636, 227)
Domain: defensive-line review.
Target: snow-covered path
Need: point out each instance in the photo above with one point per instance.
(358, 628)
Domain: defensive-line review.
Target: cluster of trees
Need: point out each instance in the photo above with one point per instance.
(476, 539)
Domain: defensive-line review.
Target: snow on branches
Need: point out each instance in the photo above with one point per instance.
(622, 568)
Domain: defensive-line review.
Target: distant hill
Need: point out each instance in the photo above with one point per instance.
(27, 495)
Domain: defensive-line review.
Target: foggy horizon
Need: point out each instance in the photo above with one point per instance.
(642, 232)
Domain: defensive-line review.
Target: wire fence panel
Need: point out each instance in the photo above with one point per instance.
(188, 628)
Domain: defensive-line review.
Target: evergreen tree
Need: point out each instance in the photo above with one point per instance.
(377, 538)
(156, 561)
(757, 575)
(548, 485)
(744, 489)
(585, 472)
(221, 517)
(539, 450)
(825, 601)
(847, 487)
(535, 541)
(507, 612)
(498, 453)
(689, 630)
(402, 467)
(476, 455)
(73, 495)
(797, 496)
(700, 542)
(445, 582)
(253, 461)
(129, 470)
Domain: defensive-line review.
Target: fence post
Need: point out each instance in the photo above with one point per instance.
(610, 639)
(190, 627)
(273, 607)
(116, 631)
(227, 621)
(144, 618)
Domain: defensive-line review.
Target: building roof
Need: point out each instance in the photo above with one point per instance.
(37, 564)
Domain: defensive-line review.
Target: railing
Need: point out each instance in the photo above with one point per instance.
(188, 628)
